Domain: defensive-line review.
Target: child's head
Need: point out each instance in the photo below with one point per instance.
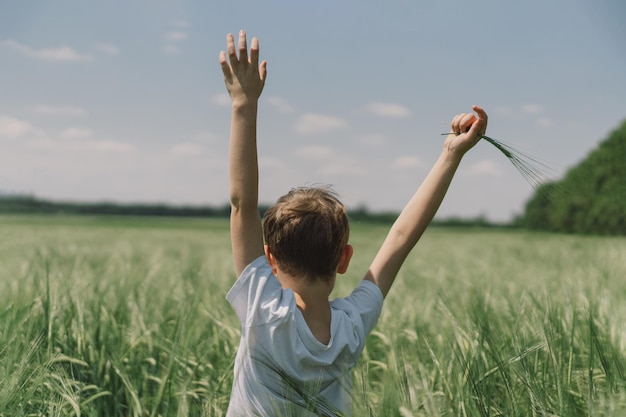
(306, 231)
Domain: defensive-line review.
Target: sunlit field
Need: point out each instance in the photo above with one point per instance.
(127, 317)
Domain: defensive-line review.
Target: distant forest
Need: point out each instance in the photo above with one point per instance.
(26, 204)
(590, 199)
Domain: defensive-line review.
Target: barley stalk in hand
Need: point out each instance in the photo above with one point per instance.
(531, 169)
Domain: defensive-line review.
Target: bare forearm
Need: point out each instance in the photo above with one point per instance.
(413, 221)
(244, 172)
(245, 221)
(424, 204)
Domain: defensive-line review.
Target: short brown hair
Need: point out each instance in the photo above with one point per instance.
(306, 231)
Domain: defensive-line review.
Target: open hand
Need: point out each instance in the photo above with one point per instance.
(244, 77)
(466, 130)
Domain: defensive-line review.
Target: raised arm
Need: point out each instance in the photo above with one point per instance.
(244, 79)
(466, 130)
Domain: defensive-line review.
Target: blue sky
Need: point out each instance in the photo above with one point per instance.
(124, 100)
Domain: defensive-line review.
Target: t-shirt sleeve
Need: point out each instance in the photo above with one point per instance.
(257, 296)
(368, 301)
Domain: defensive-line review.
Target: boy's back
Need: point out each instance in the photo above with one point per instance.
(281, 368)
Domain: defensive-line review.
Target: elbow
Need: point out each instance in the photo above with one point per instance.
(242, 205)
(238, 198)
(235, 201)
(400, 235)
(404, 238)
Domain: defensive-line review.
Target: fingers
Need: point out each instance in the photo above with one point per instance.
(228, 76)
(254, 53)
(243, 48)
(223, 62)
(479, 125)
(480, 111)
(254, 59)
(461, 122)
(263, 71)
(464, 122)
(454, 124)
(482, 117)
(230, 49)
(243, 75)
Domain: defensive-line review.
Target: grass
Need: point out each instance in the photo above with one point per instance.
(127, 317)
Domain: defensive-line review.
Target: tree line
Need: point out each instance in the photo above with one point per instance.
(33, 205)
(28, 204)
(590, 199)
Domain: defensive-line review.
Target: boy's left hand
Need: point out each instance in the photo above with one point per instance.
(465, 131)
(244, 78)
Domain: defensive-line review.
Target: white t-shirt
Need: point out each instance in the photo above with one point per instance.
(281, 369)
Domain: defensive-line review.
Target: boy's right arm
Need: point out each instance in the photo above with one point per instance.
(244, 80)
(421, 209)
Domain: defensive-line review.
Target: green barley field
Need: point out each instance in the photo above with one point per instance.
(127, 317)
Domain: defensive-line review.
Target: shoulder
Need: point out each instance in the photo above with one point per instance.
(258, 270)
(363, 306)
(258, 297)
(365, 296)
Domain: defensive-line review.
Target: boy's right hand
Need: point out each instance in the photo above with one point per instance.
(244, 78)
(465, 131)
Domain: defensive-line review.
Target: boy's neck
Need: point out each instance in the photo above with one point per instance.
(312, 300)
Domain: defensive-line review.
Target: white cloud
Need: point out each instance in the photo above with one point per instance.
(221, 99)
(371, 140)
(70, 111)
(407, 162)
(108, 146)
(314, 152)
(280, 104)
(270, 162)
(14, 128)
(180, 23)
(43, 143)
(61, 54)
(503, 110)
(76, 133)
(537, 110)
(107, 48)
(206, 137)
(389, 110)
(78, 146)
(173, 38)
(310, 123)
(344, 167)
(485, 167)
(203, 143)
(187, 149)
(176, 36)
(171, 49)
(545, 122)
(532, 108)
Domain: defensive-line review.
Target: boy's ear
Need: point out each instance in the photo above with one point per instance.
(344, 261)
(270, 259)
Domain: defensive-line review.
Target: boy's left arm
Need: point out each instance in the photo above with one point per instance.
(244, 79)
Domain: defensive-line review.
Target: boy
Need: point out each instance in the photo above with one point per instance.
(297, 348)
